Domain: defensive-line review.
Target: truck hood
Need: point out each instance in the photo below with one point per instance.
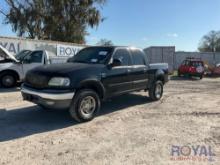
(40, 76)
(66, 68)
(4, 53)
(71, 70)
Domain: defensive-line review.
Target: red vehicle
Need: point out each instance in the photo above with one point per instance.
(216, 70)
(192, 67)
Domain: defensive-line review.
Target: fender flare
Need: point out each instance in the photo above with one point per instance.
(154, 75)
(160, 75)
(93, 84)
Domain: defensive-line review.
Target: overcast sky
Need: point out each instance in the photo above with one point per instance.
(145, 23)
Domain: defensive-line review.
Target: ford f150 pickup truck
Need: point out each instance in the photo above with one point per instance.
(94, 74)
(14, 68)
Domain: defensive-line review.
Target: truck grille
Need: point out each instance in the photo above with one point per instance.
(36, 80)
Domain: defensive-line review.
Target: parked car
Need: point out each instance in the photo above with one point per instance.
(216, 70)
(192, 67)
(94, 74)
(14, 68)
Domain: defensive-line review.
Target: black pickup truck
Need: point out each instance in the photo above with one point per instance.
(94, 74)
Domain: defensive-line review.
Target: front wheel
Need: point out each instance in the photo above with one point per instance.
(156, 91)
(8, 80)
(85, 105)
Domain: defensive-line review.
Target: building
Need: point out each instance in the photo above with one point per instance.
(161, 54)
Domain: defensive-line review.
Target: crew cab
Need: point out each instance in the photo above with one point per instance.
(192, 67)
(93, 75)
(14, 68)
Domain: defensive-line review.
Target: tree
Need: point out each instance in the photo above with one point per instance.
(61, 20)
(210, 42)
(105, 42)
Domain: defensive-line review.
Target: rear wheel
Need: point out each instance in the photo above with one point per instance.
(85, 105)
(156, 91)
(8, 80)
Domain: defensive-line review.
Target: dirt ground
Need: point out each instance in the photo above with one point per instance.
(129, 130)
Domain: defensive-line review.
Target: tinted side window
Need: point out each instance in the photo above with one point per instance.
(35, 57)
(138, 57)
(197, 63)
(123, 55)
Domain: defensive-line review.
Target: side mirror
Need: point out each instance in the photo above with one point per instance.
(116, 62)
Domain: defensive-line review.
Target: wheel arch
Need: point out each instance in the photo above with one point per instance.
(160, 75)
(94, 85)
(155, 75)
(15, 73)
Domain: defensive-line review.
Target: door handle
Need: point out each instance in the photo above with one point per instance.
(145, 70)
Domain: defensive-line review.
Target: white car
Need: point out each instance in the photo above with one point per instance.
(14, 68)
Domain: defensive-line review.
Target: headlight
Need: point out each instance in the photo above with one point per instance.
(59, 81)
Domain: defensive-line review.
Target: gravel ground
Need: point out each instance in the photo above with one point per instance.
(129, 130)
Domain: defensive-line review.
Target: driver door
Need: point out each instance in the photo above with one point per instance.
(31, 61)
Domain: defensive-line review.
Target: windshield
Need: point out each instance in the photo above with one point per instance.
(96, 55)
(196, 63)
(21, 54)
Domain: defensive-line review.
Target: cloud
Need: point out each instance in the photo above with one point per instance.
(173, 35)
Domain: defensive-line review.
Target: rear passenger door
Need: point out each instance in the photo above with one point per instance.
(139, 70)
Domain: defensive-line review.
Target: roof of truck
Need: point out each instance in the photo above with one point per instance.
(131, 47)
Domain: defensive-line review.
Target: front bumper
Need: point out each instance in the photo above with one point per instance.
(56, 99)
